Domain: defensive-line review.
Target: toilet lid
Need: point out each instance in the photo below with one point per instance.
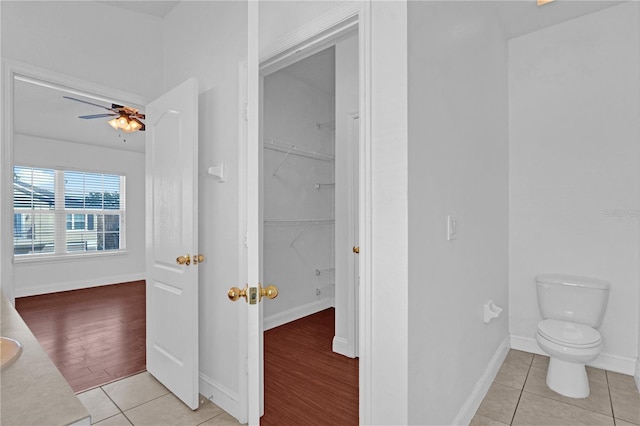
(569, 333)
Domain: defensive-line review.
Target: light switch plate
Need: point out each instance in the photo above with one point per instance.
(452, 228)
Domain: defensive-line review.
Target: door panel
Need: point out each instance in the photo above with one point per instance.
(172, 231)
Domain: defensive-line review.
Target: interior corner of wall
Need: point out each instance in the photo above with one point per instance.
(637, 376)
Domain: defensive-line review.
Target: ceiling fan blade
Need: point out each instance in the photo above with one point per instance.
(97, 116)
(86, 102)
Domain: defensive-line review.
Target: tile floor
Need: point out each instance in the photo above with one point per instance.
(142, 400)
(519, 396)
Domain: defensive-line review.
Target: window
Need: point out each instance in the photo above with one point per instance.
(61, 211)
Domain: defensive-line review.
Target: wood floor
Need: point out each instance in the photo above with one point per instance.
(95, 335)
(305, 382)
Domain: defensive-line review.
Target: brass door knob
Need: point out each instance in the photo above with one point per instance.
(235, 293)
(183, 260)
(356, 249)
(270, 292)
(198, 258)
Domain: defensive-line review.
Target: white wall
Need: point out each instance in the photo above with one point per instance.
(347, 103)
(388, 326)
(208, 40)
(458, 153)
(68, 274)
(88, 40)
(575, 170)
(293, 253)
(281, 18)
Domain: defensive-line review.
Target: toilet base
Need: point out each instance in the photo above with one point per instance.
(568, 378)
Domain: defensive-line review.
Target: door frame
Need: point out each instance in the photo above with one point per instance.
(289, 49)
(353, 300)
(11, 69)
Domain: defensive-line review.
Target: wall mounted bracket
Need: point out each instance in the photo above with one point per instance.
(217, 171)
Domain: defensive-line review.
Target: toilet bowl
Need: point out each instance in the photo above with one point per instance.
(570, 346)
(572, 308)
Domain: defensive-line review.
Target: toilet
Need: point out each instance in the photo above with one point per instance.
(572, 308)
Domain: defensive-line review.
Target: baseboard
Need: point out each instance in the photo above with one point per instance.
(605, 361)
(221, 396)
(77, 285)
(638, 374)
(471, 405)
(341, 346)
(526, 344)
(298, 312)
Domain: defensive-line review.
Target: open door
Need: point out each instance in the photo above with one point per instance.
(172, 240)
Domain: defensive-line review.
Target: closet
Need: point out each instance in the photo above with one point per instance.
(298, 194)
(309, 191)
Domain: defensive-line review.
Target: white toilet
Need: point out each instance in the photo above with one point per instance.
(572, 308)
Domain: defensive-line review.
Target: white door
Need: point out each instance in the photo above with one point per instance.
(172, 240)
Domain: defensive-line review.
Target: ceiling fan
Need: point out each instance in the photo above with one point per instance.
(125, 118)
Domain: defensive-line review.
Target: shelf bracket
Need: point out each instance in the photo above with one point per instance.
(299, 235)
(283, 160)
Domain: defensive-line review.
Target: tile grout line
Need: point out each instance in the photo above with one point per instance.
(521, 391)
(613, 413)
(117, 406)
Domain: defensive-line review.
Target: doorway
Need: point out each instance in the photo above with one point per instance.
(309, 204)
(76, 183)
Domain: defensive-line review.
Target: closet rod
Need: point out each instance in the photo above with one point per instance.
(296, 150)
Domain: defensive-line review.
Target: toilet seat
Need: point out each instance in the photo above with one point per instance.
(569, 334)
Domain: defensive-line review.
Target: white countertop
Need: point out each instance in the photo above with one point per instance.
(32, 390)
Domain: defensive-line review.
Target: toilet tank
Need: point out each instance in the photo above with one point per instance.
(571, 298)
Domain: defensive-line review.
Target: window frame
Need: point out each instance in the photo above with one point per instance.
(60, 212)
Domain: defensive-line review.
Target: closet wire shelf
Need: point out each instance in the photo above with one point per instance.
(290, 149)
(305, 223)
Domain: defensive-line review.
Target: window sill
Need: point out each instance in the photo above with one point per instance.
(60, 258)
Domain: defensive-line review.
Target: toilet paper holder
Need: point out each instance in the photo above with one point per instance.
(491, 311)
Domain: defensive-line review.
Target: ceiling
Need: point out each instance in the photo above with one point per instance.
(148, 7)
(43, 112)
(521, 17)
(317, 70)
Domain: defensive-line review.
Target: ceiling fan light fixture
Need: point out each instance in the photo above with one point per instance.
(122, 122)
(135, 124)
(543, 2)
(127, 120)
